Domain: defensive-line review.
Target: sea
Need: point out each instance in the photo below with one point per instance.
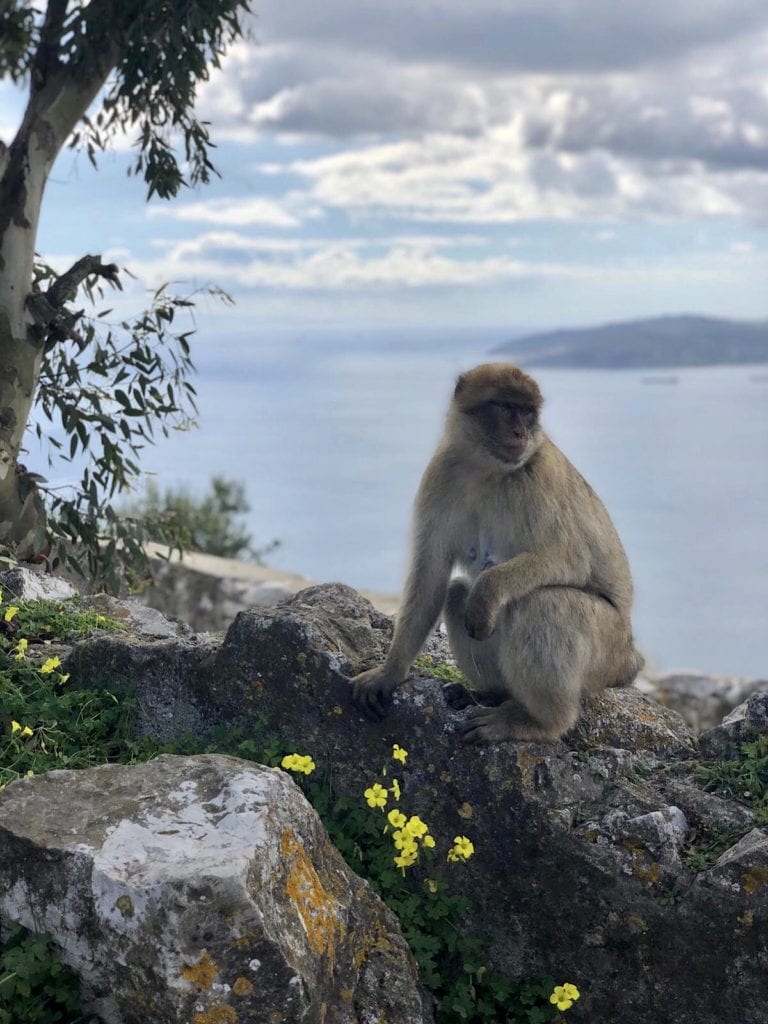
(330, 432)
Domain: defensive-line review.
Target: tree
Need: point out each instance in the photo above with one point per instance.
(142, 61)
(209, 523)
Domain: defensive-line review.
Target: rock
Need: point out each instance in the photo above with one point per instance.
(207, 591)
(702, 700)
(743, 868)
(33, 585)
(577, 870)
(746, 722)
(625, 718)
(200, 890)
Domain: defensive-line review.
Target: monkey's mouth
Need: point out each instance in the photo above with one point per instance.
(510, 452)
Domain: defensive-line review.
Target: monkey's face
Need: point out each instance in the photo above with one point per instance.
(496, 409)
(507, 430)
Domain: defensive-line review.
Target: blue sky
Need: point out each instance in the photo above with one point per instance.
(505, 163)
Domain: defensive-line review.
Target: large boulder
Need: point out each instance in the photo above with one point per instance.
(200, 890)
(594, 855)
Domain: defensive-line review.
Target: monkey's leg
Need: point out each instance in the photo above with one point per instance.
(477, 661)
(547, 641)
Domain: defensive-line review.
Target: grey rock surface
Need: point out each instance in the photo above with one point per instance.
(200, 889)
(586, 867)
(703, 701)
(32, 584)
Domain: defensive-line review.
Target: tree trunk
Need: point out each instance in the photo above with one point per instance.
(58, 99)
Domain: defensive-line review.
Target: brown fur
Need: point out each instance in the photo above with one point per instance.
(541, 613)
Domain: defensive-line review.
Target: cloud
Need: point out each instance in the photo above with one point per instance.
(397, 264)
(503, 110)
(230, 212)
(513, 35)
(457, 180)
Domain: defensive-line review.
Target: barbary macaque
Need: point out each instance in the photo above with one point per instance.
(539, 613)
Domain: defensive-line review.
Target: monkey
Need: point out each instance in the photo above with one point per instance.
(540, 611)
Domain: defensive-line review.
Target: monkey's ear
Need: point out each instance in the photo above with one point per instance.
(460, 385)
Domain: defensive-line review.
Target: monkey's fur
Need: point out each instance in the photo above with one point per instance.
(541, 612)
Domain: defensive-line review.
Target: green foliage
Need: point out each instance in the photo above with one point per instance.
(112, 388)
(704, 844)
(206, 524)
(439, 669)
(161, 52)
(744, 779)
(67, 727)
(165, 51)
(17, 27)
(35, 987)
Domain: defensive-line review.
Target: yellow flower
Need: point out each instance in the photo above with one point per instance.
(461, 850)
(432, 885)
(50, 664)
(100, 619)
(404, 860)
(298, 763)
(15, 727)
(398, 754)
(21, 649)
(564, 996)
(416, 827)
(26, 731)
(63, 678)
(395, 790)
(428, 841)
(396, 818)
(376, 795)
(11, 612)
(404, 842)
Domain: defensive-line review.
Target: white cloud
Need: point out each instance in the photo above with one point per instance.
(230, 212)
(397, 263)
(458, 180)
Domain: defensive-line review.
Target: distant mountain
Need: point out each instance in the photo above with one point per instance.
(665, 341)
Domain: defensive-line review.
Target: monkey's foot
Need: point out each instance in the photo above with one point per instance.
(507, 722)
(458, 696)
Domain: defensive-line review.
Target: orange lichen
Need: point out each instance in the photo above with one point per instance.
(202, 974)
(755, 879)
(317, 909)
(242, 987)
(221, 1014)
(643, 866)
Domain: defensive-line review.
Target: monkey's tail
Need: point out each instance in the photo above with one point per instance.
(633, 664)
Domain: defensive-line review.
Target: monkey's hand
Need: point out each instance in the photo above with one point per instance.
(372, 690)
(482, 608)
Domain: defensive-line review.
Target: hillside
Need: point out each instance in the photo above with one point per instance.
(668, 341)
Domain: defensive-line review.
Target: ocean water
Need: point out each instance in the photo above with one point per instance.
(330, 436)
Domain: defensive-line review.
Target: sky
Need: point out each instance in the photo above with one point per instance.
(510, 164)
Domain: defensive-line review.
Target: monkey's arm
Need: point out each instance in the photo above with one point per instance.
(423, 600)
(512, 580)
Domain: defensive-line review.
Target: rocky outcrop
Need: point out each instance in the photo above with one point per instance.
(589, 861)
(200, 890)
(703, 701)
(207, 591)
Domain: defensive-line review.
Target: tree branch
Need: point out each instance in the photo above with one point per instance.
(53, 321)
(46, 59)
(64, 288)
